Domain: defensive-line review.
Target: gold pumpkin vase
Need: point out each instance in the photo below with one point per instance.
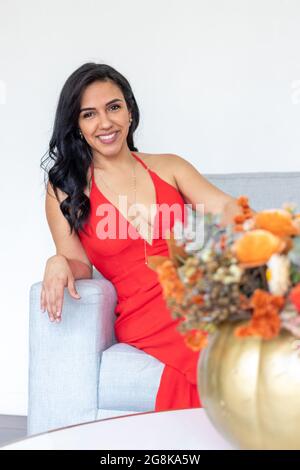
(250, 389)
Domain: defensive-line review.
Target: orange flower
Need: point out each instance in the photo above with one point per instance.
(198, 299)
(170, 282)
(238, 228)
(198, 274)
(243, 202)
(278, 221)
(244, 302)
(196, 339)
(255, 247)
(261, 299)
(265, 321)
(239, 219)
(247, 213)
(295, 296)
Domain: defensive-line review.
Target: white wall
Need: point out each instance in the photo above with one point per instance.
(217, 82)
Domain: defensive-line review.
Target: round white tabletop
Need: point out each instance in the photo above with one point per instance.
(167, 430)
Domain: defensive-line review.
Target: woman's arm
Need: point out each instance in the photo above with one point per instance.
(69, 263)
(66, 244)
(80, 269)
(196, 189)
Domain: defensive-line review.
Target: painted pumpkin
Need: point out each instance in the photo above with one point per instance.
(250, 388)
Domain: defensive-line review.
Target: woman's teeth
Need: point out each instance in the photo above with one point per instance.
(107, 138)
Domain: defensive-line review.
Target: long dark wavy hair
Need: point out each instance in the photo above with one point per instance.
(72, 155)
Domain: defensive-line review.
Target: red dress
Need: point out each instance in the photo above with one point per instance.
(143, 319)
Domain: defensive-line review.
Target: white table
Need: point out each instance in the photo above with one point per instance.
(176, 429)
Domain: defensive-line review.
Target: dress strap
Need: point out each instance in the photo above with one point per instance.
(140, 160)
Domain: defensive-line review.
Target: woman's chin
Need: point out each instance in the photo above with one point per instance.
(112, 149)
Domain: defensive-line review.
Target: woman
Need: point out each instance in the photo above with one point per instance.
(95, 162)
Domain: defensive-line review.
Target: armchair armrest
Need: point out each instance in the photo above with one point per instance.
(64, 358)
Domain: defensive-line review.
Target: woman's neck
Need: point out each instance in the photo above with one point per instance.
(121, 161)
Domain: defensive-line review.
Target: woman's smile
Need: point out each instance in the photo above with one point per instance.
(108, 138)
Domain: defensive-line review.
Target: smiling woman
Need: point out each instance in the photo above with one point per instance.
(94, 162)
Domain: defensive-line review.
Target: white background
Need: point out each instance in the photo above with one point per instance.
(217, 82)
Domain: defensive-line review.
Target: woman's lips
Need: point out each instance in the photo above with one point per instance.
(109, 139)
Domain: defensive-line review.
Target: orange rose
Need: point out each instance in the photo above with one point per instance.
(255, 247)
(278, 221)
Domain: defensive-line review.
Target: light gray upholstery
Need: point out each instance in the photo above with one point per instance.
(138, 382)
(265, 190)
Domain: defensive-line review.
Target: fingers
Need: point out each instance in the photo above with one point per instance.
(52, 298)
(59, 301)
(72, 288)
(43, 299)
(51, 304)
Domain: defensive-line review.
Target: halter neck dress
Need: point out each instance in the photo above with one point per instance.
(143, 319)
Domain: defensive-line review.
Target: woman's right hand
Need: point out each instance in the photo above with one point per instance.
(57, 276)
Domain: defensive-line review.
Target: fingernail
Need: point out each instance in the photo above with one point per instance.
(57, 320)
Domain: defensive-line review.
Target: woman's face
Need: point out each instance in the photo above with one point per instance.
(99, 116)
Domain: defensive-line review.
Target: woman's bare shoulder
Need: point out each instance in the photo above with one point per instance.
(160, 163)
(156, 161)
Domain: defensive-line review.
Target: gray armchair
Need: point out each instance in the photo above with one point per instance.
(78, 372)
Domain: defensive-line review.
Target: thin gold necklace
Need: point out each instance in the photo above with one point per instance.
(134, 189)
(109, 187)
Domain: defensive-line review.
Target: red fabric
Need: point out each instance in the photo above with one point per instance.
(142, 317)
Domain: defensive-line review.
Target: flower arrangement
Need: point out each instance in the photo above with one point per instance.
(248, 270)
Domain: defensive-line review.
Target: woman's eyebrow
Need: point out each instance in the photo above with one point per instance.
(110, 102)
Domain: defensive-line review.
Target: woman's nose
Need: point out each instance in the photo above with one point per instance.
(104, 121)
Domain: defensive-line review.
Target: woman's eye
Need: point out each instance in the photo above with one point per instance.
(115, 106)
(86, 115)
(91, 113)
